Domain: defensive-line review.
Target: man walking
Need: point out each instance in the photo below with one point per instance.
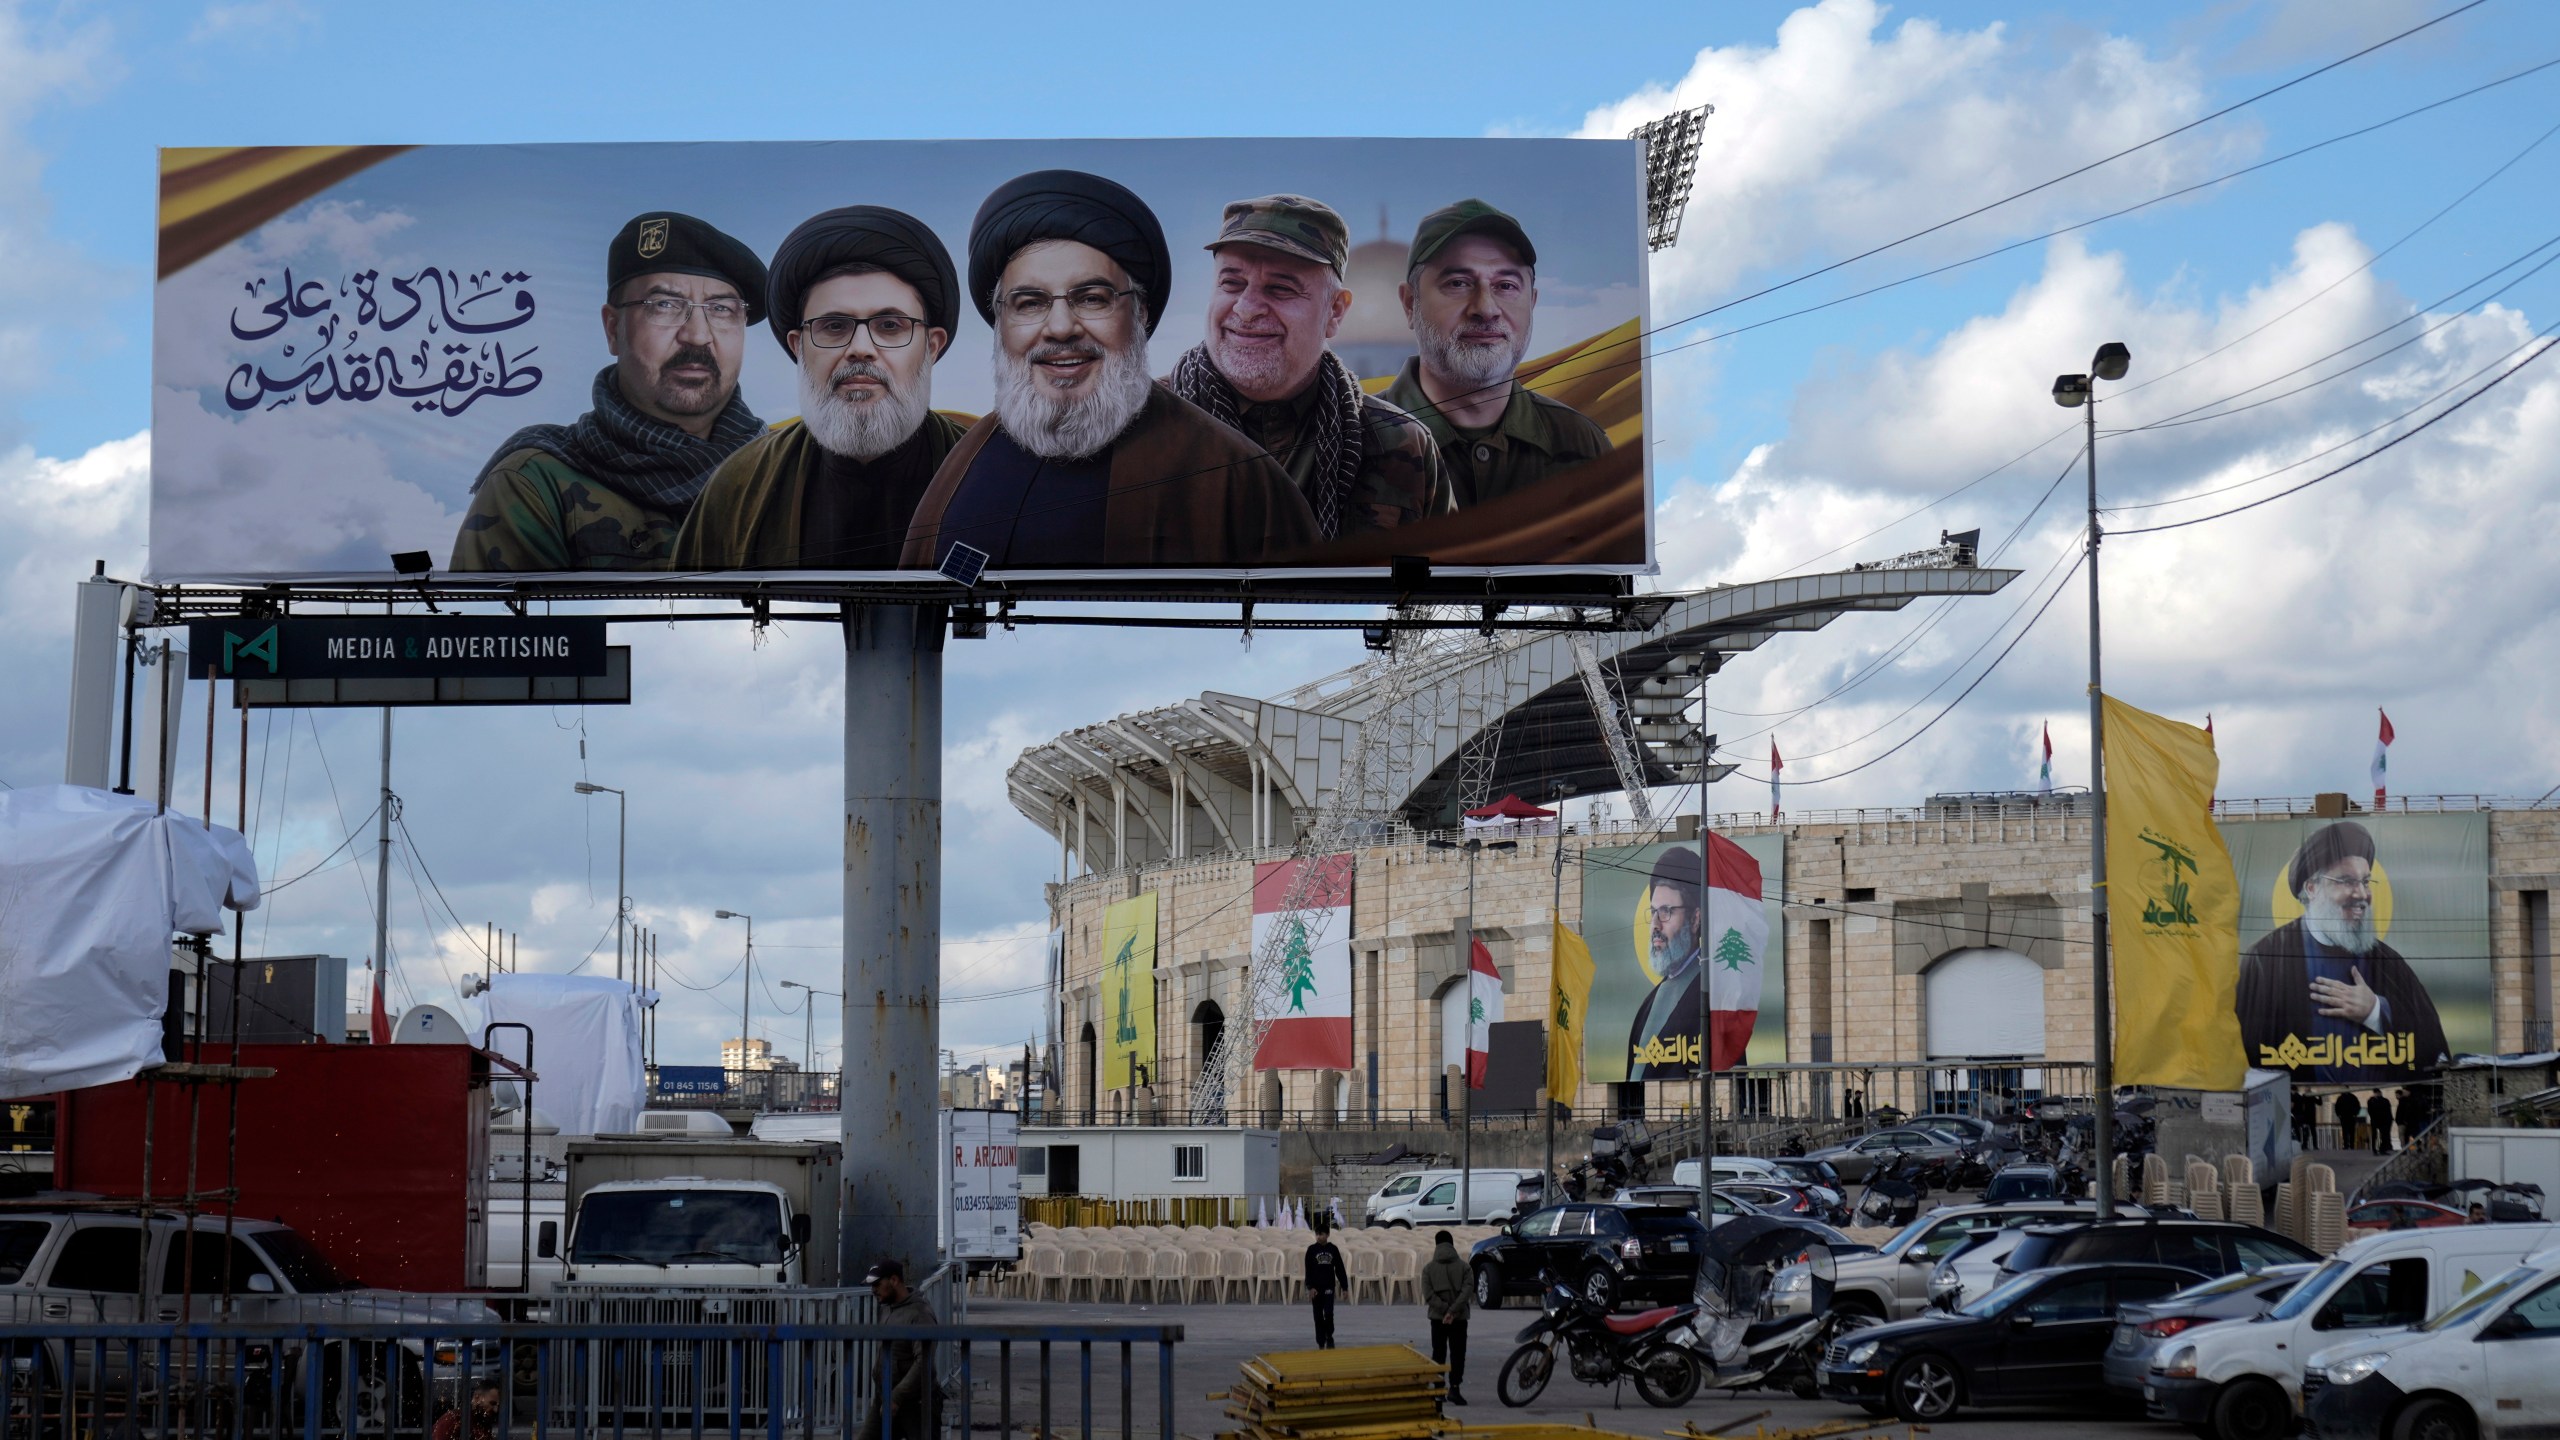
(2377, 1113)
(2346, 1109)
(1324, 1276)
(1445, 1297)
(912, 1397)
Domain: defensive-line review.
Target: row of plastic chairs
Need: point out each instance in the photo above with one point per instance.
(1197, 1266)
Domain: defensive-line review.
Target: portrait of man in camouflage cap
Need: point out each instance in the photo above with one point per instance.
(1470, 292)
(1276, 297)
(610, 490)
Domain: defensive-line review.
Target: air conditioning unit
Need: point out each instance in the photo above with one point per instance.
(284, 999)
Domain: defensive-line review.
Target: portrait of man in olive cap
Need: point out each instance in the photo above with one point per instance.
(1086, 460)
(1470, 292)
(864, 300)
(609, 490)
(1276, 295)
(2325, 985)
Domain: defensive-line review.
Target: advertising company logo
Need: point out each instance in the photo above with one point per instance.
(261, 646)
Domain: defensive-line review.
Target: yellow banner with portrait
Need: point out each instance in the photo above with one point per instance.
(2173, 906)
(1129, 993)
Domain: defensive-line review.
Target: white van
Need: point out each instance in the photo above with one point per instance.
(1730, 1168)
(2240, 1379)
(1496, 1195)
(2488, 1366)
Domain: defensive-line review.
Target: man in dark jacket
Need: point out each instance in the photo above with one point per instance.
(2377, 1111)
(2348, 1110)
(1446, 1288)
(2322, 996)
(1325, 1274)
(913, 1398)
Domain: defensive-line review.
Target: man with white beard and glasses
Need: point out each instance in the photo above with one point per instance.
(1470, 291)
(1276, 296)
(864, 299)
(2322, 996)
(1087, 462)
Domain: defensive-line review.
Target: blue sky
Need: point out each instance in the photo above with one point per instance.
(2421, 582)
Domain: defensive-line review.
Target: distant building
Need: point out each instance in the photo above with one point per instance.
(751, 1055)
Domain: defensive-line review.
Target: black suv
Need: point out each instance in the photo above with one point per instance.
(1605, 1252)
(2209, 1248)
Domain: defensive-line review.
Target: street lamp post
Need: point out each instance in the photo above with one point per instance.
(2081, 392)
(746, 991)
(621, 854)
(809, 1030)
(1466, 1082)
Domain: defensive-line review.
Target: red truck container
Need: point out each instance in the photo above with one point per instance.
(378, 1153)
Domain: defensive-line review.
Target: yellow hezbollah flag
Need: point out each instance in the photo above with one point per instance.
(1129, 992)
(1568, 999)
(2173, 906)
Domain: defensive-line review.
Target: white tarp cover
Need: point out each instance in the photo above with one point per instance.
(588, 1076)
(92, 887)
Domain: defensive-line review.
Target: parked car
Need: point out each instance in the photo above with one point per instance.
(2245, 1381)
(2041, 1339)
(1605, 1252)
(1794, 1202)
(1857, 1159)
(1805, 1170)
(2487, 1366)
(1891, 1283)
(2141, 1330)
(2023, 1182)
(1678, 1197)
(1966, 1130)
(1972, 1268)
(2375, 1216)
(2205, 1248)
(1728, 1167)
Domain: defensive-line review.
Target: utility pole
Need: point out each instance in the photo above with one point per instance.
(621, 863)
(1555, 928)
(747, 990)
(1706, 1029)
(382, 876)
(2110, 363)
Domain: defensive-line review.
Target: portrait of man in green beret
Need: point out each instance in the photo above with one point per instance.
(1470, 293)
(1276, 297)
(610, 490)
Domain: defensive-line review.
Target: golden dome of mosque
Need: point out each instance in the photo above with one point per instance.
(1374, 339)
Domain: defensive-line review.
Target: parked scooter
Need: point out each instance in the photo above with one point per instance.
(1893, 1193)
(1734, 1348)
(1600, 1348)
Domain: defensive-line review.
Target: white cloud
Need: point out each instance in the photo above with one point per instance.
(1844, 134)
(51, 284)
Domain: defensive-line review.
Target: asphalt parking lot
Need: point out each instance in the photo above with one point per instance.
(1218, 1338)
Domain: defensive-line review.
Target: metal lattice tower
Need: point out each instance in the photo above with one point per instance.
(1670, 168)
(1609, 708)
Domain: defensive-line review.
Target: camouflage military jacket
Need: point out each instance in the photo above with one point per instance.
(1534, 438)
(533, 512)
(1401, 477)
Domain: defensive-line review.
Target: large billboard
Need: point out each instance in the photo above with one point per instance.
(2364, 944)
(1652, 933)
(1193, 359)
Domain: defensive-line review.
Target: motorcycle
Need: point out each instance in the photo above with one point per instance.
(1734, 1349)
(1600, 1348)
(1893, 1193)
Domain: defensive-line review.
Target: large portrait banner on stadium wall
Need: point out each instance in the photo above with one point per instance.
(1654, 931)
(2364, 944)
(1080, 359)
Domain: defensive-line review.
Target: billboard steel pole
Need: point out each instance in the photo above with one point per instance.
(1706, 1041)
(892, 929)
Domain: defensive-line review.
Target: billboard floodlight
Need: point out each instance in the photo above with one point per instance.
(412, 562)
(1670, 164)
(969, 622)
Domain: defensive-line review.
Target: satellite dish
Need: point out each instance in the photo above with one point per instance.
(429, 1025)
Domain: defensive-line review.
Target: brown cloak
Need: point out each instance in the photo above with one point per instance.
(749, 515)
(1183, 490)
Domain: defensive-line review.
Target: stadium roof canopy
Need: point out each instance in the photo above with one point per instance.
(1226, 774)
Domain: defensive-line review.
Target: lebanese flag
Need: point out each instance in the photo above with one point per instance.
(1775, 765)
(381, 1017)
(1484, 1006)
(1736, 939)
(2044, 777)
(1312, 947)
(2382, 762)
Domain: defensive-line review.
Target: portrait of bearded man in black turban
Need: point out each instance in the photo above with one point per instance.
(2323, 996)
(1087, 462)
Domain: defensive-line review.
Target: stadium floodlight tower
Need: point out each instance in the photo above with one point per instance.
(1670, 165)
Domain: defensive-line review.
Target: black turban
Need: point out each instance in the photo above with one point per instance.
(1679, 867)
(895, 241)
(2326, 846)
(1069, 205)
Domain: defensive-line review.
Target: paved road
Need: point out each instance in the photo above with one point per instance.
(1218, 1338)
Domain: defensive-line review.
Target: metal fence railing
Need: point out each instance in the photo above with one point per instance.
(151, 1381)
